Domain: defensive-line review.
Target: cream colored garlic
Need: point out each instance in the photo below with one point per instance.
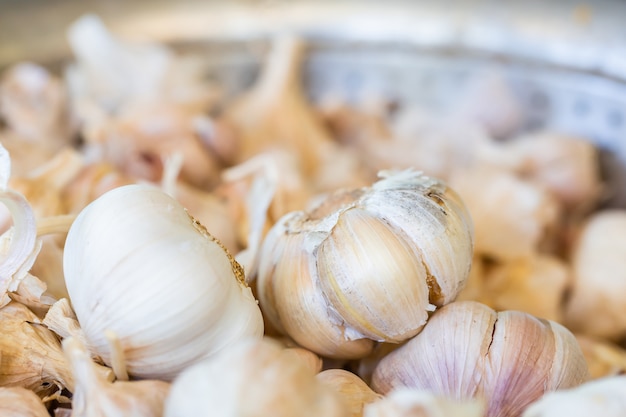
(407, 402)
(568, 166)
(94, 396)
(596, 305)
(137, 264)
(467, 350)
(511, 215)
(366, 265)
(603, 357)
(254, 378)
(604, 397)
(534, 284)
(355, 393)
(21, 402)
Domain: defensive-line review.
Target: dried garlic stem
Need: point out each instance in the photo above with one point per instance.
(55, 224)
(118, 362)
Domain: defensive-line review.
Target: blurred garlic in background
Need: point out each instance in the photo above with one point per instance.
(596, 304)
(605, 397)
(604, 358)
(355, 393)
(21, 402)
(511, 216)
(407, 402)
(253, 378)
(536, 284)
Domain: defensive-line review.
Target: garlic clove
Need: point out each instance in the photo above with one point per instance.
(603, 397)
(355, 393)
(94, 396)
(467, 350)
(369, 264)
(273, 384)
(21, 402)
(406, 402)
(156, 277)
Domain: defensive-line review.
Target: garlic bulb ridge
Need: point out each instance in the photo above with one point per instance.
(366, 265)
(138, 265)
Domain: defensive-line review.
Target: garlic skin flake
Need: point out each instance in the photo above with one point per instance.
(254, 378)
(467, 350)
(138, 265)
(366, 265)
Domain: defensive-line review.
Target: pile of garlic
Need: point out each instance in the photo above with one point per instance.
(170, 251)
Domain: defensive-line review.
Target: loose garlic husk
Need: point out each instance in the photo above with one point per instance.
(604, 397)
(596, 305)
(407, 402)
(356, 394)
(31, 354)
(21, 402)
(467, 350)
(137, 264)
(255, 378)
(94, 396)
(604, 358)
(365, 265)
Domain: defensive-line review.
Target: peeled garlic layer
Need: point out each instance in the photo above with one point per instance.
(467, 350)
(138, 265)
(366, 265)
(255, 378)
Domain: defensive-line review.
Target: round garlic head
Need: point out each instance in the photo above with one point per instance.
(138, 265)
(366, 265)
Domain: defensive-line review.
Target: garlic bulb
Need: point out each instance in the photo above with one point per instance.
(252, 379)
(605, 397)
(355, 393)
(21, 402)
(596, 305)
(467, 350)
(366, 265)
(94, 396)
(407, 402)
(137, 264)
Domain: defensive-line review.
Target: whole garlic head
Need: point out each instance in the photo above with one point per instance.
(366, 265)
(137, 264)
(467, 350)
(255, 378)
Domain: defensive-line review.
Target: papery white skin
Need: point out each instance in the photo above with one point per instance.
(605, 397)
(137, 264)
(407, 402)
